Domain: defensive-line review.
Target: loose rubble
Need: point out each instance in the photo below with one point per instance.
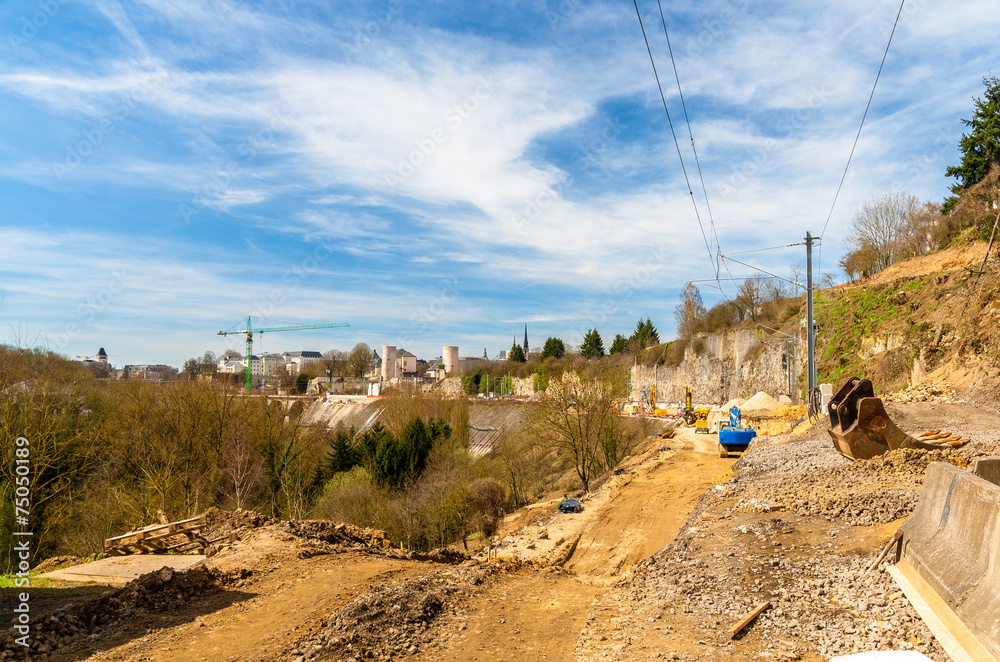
(160, 591)
(925, 392)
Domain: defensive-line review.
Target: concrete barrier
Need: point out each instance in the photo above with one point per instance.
(953, 541)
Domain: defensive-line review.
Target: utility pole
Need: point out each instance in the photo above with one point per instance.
(810, 330)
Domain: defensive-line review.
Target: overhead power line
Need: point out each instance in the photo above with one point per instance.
(870, 97)
(670, 122)
(769, 248)
(687, 119)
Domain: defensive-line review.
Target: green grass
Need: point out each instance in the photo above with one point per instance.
(7, 581)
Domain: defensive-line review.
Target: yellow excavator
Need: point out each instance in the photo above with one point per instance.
(861, 428)
(688, 412)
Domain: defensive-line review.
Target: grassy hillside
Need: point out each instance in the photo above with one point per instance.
(934, 311)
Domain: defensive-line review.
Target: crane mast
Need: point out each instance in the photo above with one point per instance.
(249, 331)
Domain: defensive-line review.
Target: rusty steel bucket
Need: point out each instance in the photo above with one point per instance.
(861, 429)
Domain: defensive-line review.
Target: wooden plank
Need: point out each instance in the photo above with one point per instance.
(953, 635)
(200, 520)
(746, 620)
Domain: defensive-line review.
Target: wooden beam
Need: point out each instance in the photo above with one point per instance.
(746, 620)
(953, 635)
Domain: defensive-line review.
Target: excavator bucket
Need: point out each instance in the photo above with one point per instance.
(861, 428)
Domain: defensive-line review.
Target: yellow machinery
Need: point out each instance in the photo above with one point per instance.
(701, 419)
(687, 413)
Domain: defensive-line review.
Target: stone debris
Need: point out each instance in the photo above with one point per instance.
(392, 621)
(156, 592)
(925, 392)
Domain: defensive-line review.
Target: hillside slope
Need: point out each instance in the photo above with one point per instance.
(927, 319)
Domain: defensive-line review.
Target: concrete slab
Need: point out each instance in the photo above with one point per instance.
(120, 570)
(987, 468)
(883, 656)
(952, 541)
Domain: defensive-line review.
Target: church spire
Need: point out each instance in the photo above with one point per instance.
(525, 340)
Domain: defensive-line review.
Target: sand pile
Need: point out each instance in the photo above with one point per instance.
(758, 402)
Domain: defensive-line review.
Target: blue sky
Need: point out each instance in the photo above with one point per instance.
(439, 173)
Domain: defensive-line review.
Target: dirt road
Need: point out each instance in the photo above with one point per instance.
(568, 616)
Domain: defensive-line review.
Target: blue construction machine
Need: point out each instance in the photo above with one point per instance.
(733, 437)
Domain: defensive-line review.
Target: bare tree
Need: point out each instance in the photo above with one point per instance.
(880, 230)
(359, 360)
(750, 296)
(241, 466)
(580, 420)
(690, 311)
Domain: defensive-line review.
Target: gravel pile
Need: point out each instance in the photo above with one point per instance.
(810, 478)
(925, 392)
(155, 592)
(394, 620)
(819, 602)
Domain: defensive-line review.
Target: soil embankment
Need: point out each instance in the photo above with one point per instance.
(670, 551)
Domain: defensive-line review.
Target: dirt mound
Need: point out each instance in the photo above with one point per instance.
(155, 592)
(760, 401)
(950, 259)
(56, 562)
(223, 522)
(394, 620)
(337, 533)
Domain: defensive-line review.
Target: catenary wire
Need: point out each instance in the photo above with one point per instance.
(673, 133)
(865, 115)
(687, 119)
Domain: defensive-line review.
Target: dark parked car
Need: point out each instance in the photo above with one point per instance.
(570, 505)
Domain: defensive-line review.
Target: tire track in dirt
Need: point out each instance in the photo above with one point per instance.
(547, 615)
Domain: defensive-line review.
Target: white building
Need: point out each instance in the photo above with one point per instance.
(296, 361)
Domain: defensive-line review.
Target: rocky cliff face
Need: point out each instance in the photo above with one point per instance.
(722, 367)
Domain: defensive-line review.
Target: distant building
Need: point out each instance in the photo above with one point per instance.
(149, 373)
(406, 363)
(298, 360)
(238, 366)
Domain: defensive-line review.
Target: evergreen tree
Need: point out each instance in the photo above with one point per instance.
(553, 347)
(592, 345)
(619, 344)
(438, 429)
(644, 336)
(415, 444)
(981, 146)
(341, 457)
(517, 354)
(470, 383)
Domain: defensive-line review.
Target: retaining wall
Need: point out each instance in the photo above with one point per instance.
(953, 541)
